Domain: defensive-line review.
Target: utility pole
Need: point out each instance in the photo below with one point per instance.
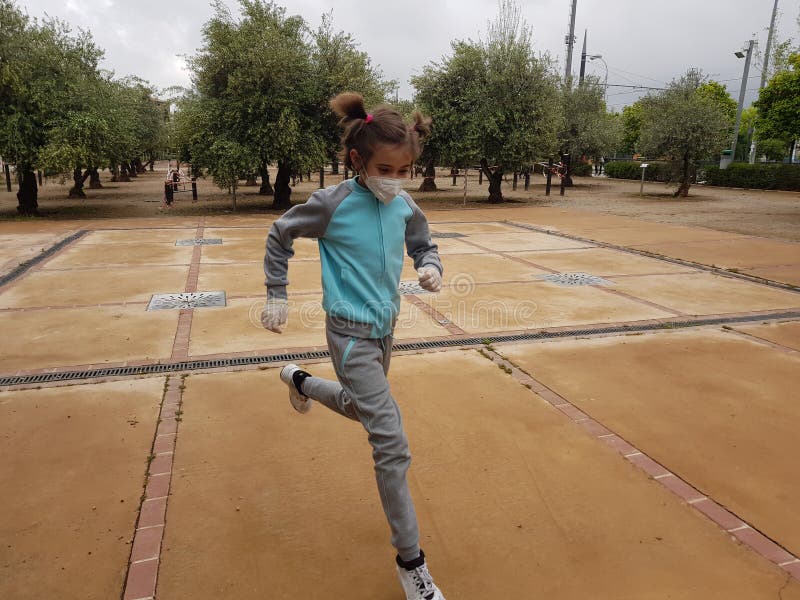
(770, 36)
(570, 41)
(583, 58)
(742, 92)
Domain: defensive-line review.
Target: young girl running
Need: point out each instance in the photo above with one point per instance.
(361, 226)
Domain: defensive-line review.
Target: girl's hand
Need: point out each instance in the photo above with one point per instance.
(430, 279)
(275, 314)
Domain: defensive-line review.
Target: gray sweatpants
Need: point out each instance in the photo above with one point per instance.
(362, 394)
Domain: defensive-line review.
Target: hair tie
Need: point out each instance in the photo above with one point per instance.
(369, 118)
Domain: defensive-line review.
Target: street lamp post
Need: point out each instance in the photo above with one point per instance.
(605, 84)
(746, 54)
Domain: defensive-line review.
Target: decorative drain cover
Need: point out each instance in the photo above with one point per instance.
(447, 235)
(411, 288)
(186, 300)
(573, 279)
(203, 242)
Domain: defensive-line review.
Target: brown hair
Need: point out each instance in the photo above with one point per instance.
(384, 126)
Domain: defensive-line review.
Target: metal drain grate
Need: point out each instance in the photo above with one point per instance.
(267, 359)
(203, 242)
(447, 235)
(575, 279)
(186, 300)
(411, 288)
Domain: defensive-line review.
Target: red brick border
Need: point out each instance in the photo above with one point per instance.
(142, 576)
(728, 521)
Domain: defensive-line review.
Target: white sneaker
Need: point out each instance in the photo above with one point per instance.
(301, 403)
(417, 582)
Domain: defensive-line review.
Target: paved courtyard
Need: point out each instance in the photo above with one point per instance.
(597, 407)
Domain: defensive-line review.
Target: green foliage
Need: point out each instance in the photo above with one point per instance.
(778, 104)
(588, 129)
(632, 126)
(758, 176)
(773, 149)
(58, 110)
(494, 101)
(684, 125)
(581, 169)
(628, 169)
(718, 95)
(262, 85)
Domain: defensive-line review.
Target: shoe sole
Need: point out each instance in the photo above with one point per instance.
(300, 403)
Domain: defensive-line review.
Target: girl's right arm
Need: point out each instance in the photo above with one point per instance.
(303, 220)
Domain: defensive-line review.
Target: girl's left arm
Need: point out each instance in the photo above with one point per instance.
(418, 240)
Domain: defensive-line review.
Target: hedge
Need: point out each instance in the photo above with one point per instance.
(762, 177)
(629, 169)
(581, 169)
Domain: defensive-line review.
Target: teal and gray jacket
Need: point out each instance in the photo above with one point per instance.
(361, 250)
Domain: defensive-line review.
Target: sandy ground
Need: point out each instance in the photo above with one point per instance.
(752, 212)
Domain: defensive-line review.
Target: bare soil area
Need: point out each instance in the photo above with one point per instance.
(752, 212)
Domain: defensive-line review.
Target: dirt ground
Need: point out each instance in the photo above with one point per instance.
(768, 214)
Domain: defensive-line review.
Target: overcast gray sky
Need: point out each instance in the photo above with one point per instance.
(644, 42)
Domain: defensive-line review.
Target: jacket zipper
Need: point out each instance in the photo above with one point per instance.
(380, 234)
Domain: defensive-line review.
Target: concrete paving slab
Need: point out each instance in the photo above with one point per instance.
(455, 246)
(513, 306)
(97, 255)
(510, 242)
(715, 409)
(79, 336)
(138, 236)
(485, 268)
(72, 475)
(706, 293)
(788, 274)
(252, 250)
(784, 334)
(237, 327)
(639, 232)
(599, 261)
(92, 286)
(473, 228)
(247, 279)
(263, 498)
(238, 233)
(753, 252)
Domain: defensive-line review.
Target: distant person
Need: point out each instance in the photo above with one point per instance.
(601, 164)
(362, 225)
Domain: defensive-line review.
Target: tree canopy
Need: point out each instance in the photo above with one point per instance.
(684, 124)
(778, 104)
(262, 86)
(493, 102)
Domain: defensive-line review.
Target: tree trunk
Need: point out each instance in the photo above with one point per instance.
(251, 180)
(429, 183)
(152, 165)
(283, 193)
(76, 191)
(94, 179)
(335, 165)
(123, 176)
(683, 188)
(27, 196)
(132, 169)
(266, 186)
(114, 173)
(140, 168)
(495, 182)
(235, 183)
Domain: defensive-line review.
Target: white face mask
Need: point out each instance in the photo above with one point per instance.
(385, 189)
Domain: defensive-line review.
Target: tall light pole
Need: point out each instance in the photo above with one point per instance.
(570, 41)
(742, 91)
(764, 70)
(605, 84)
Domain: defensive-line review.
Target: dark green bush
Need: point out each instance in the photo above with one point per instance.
(761, 177)
(629, 169)
(582, 169)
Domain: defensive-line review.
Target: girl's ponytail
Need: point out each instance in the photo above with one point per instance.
(364, 132)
